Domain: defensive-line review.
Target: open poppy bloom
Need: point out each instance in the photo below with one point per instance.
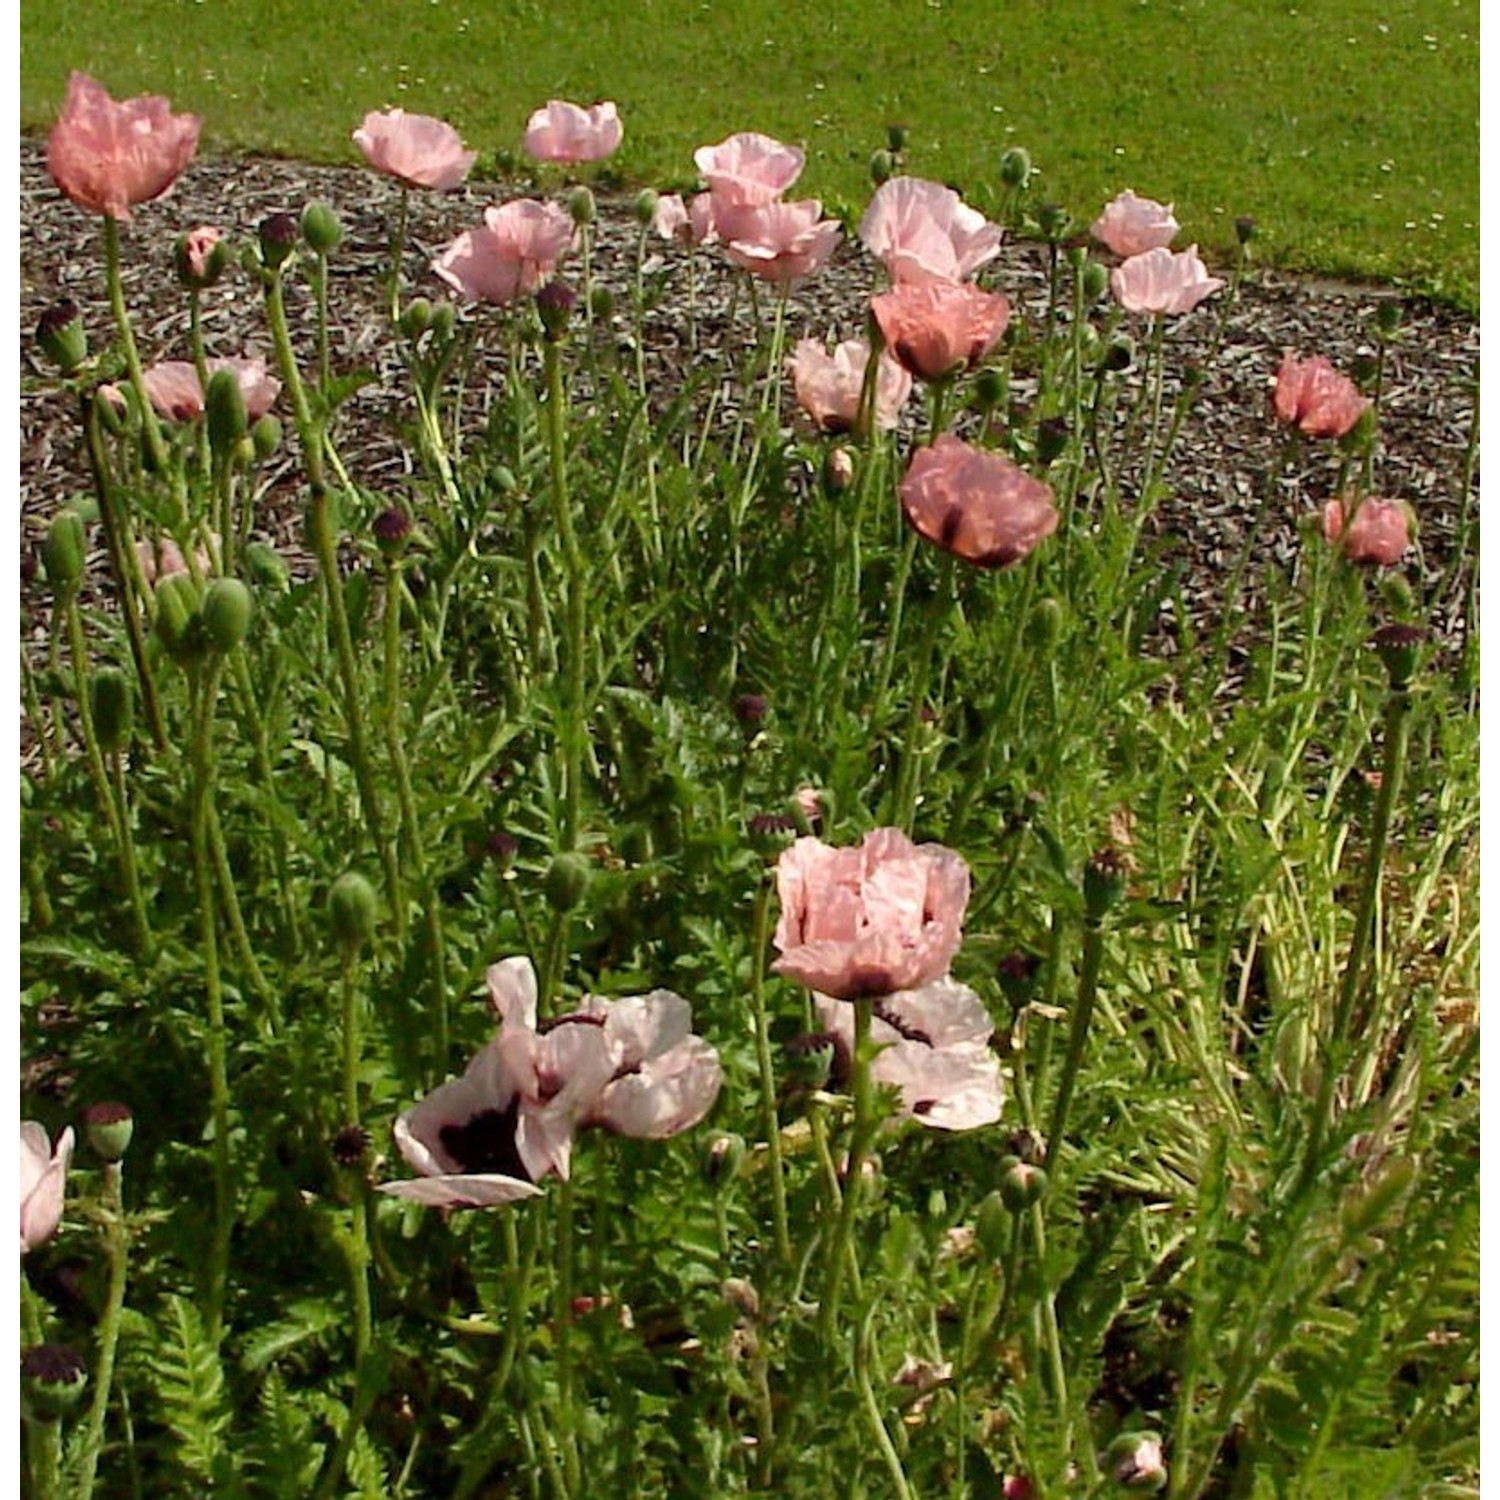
(1313, 397)
(922, 231)
(779, 242)
(829, 386)
(43, 1181)
(108, 155)
(975, 503)
(1131, 226)
(871, 920)
(939, 328)
(511, 255)
(173, 388)
(1160, 282)
(749, 170)
(690, 223)
(569, 133)
(1378, 531)
(418, 150)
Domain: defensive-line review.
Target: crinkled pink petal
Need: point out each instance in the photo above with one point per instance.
(415, 149)
(1160, 282)
(568, 133)
(1131, 226)
(922, 231)
(749, 169)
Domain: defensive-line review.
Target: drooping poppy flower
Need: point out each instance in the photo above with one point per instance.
(975, 503)
(923, 231)
(568, 133)
(1160, 282)
(43, 1182)
(1378, 532)
(418, 150)
(1313, 397)
(869, 920)
(829, 386)
(940, 327)
(108, 155)
(509, 257)
(1131, 226)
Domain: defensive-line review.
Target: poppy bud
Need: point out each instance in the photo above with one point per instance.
(176, 621)
(321, 228)
(1244, 228)
(224, 413)
(882, 168)
(265, 437)
(1135, 1462)
(1095, 281)
(266, 567)
(602, 302)
(443, 318)
(838, 470)
(63, 551)
(1053, 220)
(1119, 356)
(1051, 439)
(895, 138)
(278, 238)
(1015, 167)
(53, 1379)
(1395, 589)
(751, 709)
(200, 257)
(1021, 1183)
(554, 304)
(1045, 624)
(112, 706)
(722, 1158)
(109, 1127)
(392, 530)
(645, 207)
(567, 880)
(226, 611)
(1388, 317)
(416, 318)
(351, 910)
(992, 1226)
(1017, 973)
(62, 337)
(581, 206)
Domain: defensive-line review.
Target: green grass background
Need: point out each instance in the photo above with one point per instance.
(1349, 129)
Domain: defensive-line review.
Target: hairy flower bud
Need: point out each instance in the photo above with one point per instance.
(567, 880)
(882, 167)
(226, 611)
(112, 706)
(1095, 281)
(224, 413)
(581, 206)
(416, 317)
(645, 207)
(351, 910)
(321, 228)
(895, 138)
(266, 567)
(1021, 1183)
(265, 437)
(1015, 167)
(278, 235)
(63, 551)
(1053, 220)
(176, 620)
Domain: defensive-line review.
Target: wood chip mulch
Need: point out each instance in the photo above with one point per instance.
(1218, 476)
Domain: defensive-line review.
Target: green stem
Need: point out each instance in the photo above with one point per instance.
(78, 656)
(1078, 1034)
(871, 1407)
(842, 1248)
(128, 867)
(149, 424)
(358, 1249)
(760, 935)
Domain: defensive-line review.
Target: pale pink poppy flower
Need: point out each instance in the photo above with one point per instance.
(43, 1181)
(934, 1049)
(871, 920)
(174, 391)
(665, 1078)
(922, 231)
(516, 250)
(165, 558)
(749, 170)
(568, 133)
(781, 242)
(198, 248)
(829, 386)
(107, 155)
(1131, 226)
(690, 223)
(1312, 396)
(940, 327)
(1160, 282)
(418, 150)
(975, 503)
(1379, 532)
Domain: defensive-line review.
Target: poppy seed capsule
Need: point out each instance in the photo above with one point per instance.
(63, 550)
(113, 708)
(53, 1379)
(226, 611)
(321, 228)
(61, 335)
(109, 1127)
(567, 880)
(351, 910)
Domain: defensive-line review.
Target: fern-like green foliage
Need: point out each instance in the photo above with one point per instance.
(192, 1400)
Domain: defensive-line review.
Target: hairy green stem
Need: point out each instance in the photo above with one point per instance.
(767, 1078)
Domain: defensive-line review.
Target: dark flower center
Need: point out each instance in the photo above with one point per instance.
(903, 1028)
(486, 1142)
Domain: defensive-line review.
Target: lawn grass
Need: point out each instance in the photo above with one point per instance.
(1348, 130)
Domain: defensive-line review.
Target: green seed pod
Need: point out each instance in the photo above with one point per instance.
(113, 707)
(1015, 167)
(1103, 882)
(581, 206)
(266, 567)
(645, 207)
(1021, 1183)
(176, 621)
(992, 1226)
(224, 412)
(882, 167)
(351, 910)
(265, 436)
(567, 880)
(63, 550)
(53, 1380)
(1400, 648)
(62, 337)
(321, 228)
(227, 608)
(109, 1127)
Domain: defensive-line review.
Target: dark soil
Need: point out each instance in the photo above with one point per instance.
(1218, 477)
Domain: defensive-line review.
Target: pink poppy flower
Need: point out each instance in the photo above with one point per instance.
(1312, 396)
(690, 223)
(940, 327)
(108, 156)
(1378, 532)
(749, 170)
(198, 251)
(976, 504)
(934, 1049)
(43, 1180)
(516, 250)
(1132, 226)
(1160, 282)
(418, 150)
(829, 386)
(568, 133)
(871, 920)
(781, 242)
(173, 387)
(165, 558)
(922, 231)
